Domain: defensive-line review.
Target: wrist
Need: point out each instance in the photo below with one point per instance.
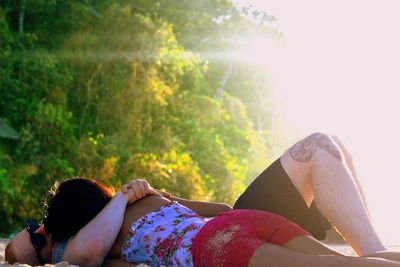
(122, 197)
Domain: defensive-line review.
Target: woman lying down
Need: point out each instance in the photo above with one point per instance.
(88, 225)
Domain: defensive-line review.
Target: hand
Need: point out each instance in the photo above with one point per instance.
(137, 189)
(164, 194)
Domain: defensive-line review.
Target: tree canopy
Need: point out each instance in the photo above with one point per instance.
(114, 90)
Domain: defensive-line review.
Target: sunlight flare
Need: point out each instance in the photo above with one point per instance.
(338, 73)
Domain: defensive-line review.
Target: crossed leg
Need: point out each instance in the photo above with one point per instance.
(321, 170)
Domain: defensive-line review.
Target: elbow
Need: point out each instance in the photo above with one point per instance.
(96, 255)
(92, 255)
(92, 261)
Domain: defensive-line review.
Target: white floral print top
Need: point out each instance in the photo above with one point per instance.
(163, 237)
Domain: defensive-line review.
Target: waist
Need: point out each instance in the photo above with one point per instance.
(163, 236)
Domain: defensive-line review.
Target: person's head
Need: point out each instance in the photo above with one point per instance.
(72, 204)
(32, 245)
(69, 207)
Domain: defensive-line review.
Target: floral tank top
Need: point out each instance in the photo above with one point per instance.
(163, 237)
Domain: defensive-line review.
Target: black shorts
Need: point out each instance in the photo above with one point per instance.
(274, 192)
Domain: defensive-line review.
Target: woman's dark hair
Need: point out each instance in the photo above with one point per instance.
(72, 204)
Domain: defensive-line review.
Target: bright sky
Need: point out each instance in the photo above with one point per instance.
(337, 71)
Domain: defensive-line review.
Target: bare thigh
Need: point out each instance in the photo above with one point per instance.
(309, 245)
(275, 256)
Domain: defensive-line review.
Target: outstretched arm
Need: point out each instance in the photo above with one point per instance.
(203, 208)
(93, 242)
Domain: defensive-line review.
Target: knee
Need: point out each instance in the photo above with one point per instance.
(306, 149)
(343, 148)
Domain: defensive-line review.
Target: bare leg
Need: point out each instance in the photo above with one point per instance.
(275, 256)
(389, 255)
(350, 165)
(309, 245)
(317, 168)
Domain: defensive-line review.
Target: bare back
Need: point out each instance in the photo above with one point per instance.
(132, 214)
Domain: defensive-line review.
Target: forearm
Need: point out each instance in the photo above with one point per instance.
(93, 242)
(205, 209)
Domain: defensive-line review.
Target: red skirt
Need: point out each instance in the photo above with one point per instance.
(231, 238)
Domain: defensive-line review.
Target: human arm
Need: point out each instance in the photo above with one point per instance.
(92, 243)
(203, 208)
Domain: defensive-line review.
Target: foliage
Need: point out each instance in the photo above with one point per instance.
(115, 90)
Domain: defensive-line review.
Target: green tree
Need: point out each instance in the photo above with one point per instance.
(119, 89)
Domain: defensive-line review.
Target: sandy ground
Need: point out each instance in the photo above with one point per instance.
(3, 243)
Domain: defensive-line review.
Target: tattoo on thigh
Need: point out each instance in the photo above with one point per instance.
(305, 149)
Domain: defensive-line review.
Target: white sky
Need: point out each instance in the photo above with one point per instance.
(337, 71)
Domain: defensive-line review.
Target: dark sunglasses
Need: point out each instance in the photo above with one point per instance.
(38, 240)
